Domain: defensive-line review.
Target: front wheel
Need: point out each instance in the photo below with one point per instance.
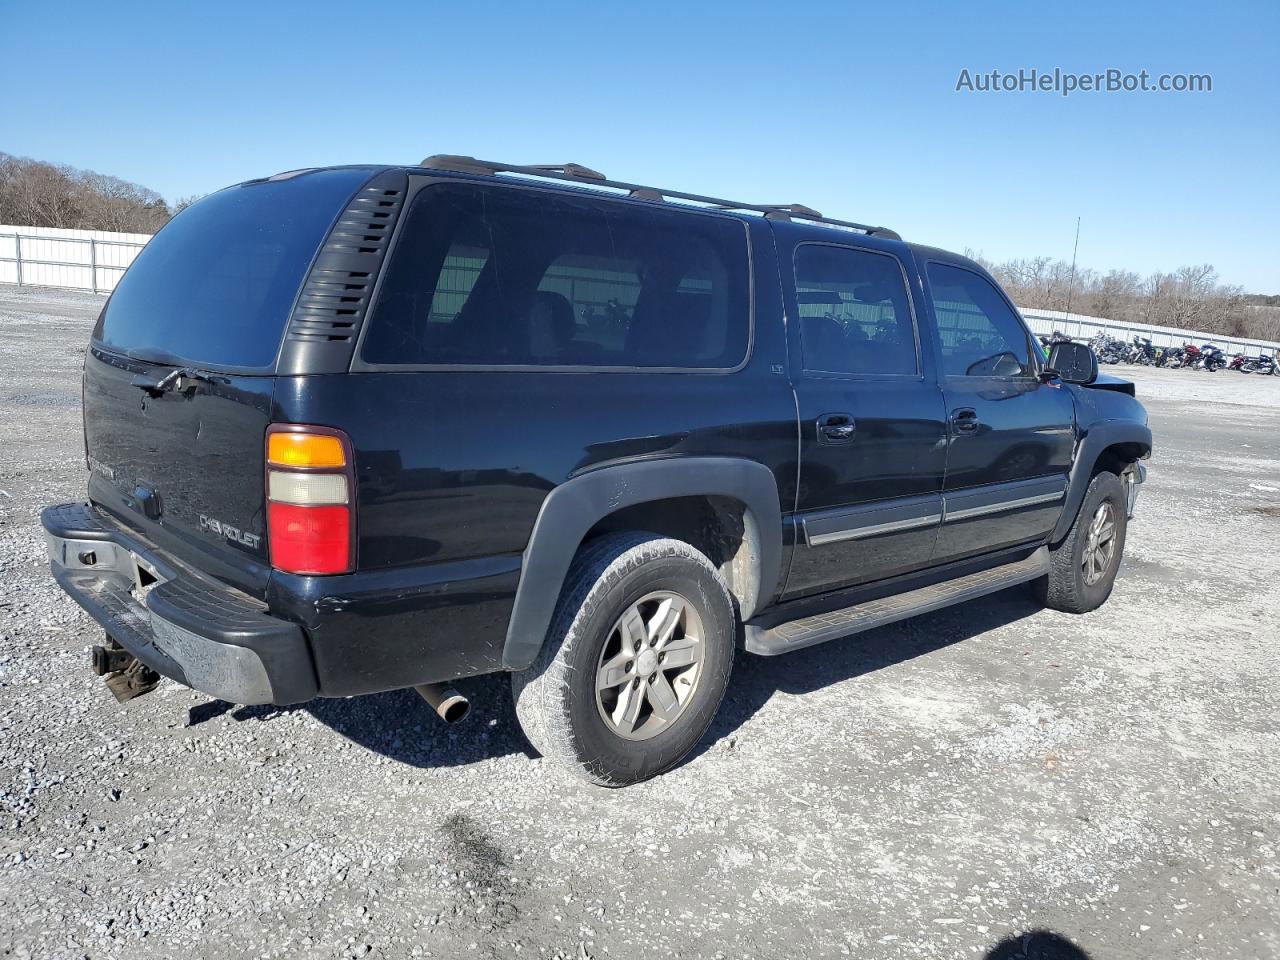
(636, 661)
(1083, 567)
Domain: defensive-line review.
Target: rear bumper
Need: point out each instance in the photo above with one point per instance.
(334, 636)
(193, 630)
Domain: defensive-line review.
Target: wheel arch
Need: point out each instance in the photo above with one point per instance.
(741, 494)
(1108, 445)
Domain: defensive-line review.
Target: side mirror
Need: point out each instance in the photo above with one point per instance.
(1075, 362)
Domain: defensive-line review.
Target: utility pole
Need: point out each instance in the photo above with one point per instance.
(1071, 284)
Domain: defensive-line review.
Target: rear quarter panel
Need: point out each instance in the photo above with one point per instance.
(454, 465)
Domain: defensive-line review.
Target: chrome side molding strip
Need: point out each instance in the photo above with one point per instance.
(875, 529)
(1000, 507)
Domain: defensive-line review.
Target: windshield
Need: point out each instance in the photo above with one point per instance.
(215, 286)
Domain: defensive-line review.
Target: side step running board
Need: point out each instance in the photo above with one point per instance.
(807, 631)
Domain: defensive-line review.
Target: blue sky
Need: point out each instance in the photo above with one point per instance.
(847, 107)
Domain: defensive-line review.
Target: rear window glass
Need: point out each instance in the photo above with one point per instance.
(506, 276)
(216, 285)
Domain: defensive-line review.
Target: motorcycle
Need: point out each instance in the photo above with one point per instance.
(1107, 348)
(1141, 352)
(1190, 356)
(1211, 358)
(1261, 364)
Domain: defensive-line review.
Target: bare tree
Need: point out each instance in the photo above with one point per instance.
(1189, 298)
(1110, 294)
(38, 194)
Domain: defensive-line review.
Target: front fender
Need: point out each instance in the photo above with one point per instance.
(574, 507)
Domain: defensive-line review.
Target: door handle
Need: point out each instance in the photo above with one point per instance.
(836, 428)
(964, 420)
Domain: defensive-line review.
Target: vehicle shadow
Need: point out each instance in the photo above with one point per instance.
(1036, 945)
(756, 679)
(399, 725)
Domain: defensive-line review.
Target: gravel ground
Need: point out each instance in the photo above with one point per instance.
(925, 790)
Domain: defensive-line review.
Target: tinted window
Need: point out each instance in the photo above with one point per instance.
(494, 275)
(981, 336)
(215, 286)
(854, 313)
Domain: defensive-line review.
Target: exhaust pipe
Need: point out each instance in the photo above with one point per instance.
(449, 705)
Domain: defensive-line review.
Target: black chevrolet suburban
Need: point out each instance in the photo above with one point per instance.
(363, 428)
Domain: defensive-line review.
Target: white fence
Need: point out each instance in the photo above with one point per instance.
(52, 257)
(95, 260)
(1083, 328)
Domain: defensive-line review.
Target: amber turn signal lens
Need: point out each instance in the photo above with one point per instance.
(305, 450)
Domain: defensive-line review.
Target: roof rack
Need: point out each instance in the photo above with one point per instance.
(576, 173)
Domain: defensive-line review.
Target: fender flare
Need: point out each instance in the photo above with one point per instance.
(1100, 435)
(574, 507)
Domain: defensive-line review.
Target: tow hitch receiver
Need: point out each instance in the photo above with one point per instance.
(127, 676)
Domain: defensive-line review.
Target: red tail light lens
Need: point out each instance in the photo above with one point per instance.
(310, 508)
(309, 539)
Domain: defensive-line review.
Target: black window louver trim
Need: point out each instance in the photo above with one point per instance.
(335, 297)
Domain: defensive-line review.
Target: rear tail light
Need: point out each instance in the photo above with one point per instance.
(310, 508)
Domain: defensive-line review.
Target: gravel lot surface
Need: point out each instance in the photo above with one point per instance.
(925, 790)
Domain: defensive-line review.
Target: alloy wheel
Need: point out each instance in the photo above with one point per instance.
(1100, 544)
(650, 665)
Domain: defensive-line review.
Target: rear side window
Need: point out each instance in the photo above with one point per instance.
(981, 336)
(855, 316)
(505, 276)
(216, 285)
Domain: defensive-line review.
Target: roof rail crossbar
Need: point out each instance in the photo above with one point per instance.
(576, 173)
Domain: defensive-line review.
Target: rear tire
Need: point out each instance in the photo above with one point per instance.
(1083, 567)
(635, 663)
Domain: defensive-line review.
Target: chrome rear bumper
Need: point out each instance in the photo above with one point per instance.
(191, 629)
